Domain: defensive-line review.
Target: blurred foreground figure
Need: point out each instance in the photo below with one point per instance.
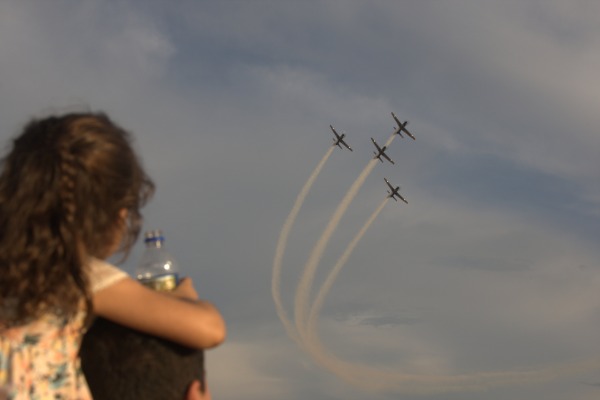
(71, 191)
(121, 363)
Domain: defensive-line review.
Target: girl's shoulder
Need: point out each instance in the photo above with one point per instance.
(103, 274)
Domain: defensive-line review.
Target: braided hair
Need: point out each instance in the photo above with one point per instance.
(62, 188)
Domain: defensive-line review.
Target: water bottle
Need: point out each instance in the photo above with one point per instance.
(157, 269)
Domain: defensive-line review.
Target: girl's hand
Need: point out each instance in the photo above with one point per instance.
(185, 289)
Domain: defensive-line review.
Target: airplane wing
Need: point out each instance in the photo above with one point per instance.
(396, 118)
(345, 144)
(376, 145)
(334, 131)
(389, 184)
(408, 133)
(401, 198)
(387, 158)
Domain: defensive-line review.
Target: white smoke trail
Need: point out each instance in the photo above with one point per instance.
(326, 286)
(375, 379)
(303, 290)
(389, 380)
(302, 298)
(282, 242)
(390, 140)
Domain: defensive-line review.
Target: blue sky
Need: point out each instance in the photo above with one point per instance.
(493, 264)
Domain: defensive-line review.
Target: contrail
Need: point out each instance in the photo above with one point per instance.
(370, 378)
(302, 298)
(375, 379)
(303, 290)
(318, 303)
(282, 242)
(390, 140)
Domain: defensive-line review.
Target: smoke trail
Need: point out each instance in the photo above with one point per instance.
(304, 287)
(388, 380)
(318, 302)
(303, 290)
(282, 242)
(390, 140)
(372, 378)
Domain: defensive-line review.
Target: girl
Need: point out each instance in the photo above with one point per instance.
(70, 193)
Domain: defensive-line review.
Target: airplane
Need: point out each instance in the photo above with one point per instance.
(339, 139)
(402, 127)
(394, 192)
(381, 152)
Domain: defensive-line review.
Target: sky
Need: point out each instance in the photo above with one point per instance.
(485, 285)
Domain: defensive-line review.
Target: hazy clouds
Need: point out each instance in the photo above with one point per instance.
(493, 264)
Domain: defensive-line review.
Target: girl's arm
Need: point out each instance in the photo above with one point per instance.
(179, 316)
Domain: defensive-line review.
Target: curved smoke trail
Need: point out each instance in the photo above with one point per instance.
(375, 379)
(372, 378)
(326, 286)
(282, 242)
(303, 289)
(302, 298)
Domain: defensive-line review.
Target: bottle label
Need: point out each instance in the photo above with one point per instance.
(163, 283)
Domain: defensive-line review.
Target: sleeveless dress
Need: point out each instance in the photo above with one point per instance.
(39, 360)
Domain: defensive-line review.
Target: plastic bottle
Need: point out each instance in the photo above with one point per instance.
(157, 268)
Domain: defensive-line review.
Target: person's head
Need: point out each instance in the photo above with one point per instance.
(121, 363)
(70, 187)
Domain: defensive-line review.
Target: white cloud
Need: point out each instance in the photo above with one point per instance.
(100, 55)
(234, 372)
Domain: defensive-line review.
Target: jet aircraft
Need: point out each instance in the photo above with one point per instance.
(381, 152)
(402, 127)
(394, 192)
(339, 139)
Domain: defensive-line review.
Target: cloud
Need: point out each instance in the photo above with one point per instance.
(101, 51)
(234, 372)
(473, 281)
(493, 264)
(511, 81)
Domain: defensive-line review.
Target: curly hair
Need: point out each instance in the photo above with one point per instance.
(63, 187)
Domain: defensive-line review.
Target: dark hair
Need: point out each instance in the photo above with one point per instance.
(62, 188)
(121, 363)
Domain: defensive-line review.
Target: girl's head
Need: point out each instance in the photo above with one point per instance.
(70, 188)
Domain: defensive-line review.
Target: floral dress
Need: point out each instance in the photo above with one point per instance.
(39, 360)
